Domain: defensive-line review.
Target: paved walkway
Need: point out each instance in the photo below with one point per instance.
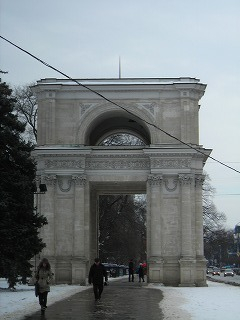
(120, 300)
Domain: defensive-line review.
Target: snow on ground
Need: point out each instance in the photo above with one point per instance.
(15, 305)
(217, 301)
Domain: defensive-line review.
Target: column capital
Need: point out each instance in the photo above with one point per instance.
(155, 180)
(186, 179)
(79, 180)
(199, 179)
(50, 180)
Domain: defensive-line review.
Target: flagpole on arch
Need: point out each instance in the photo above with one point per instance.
(119, 67)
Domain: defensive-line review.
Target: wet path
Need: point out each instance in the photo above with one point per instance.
(120, 300)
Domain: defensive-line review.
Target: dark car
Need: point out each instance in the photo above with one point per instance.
(216, 272)
(228, 272)
(210, 270)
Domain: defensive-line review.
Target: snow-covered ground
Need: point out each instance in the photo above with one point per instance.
(217, 301)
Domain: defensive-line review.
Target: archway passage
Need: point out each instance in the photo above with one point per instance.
(77, 162)
(122, 228)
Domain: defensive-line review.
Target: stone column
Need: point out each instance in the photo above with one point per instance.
(47, 205)
(187, 260)
(79, 259)
(186, 215)
(199, 215)
(201, 261)
(154, 248)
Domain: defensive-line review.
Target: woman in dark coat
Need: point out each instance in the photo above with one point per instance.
(141, 273)
(44, 276)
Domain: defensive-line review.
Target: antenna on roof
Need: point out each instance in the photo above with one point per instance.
(119, 68)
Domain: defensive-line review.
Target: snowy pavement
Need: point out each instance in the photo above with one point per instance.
(217, 301)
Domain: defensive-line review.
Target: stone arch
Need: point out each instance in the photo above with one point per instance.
(105, 119)
(71, 122)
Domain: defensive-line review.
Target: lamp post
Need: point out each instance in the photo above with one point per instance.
(237, 234)
(42, 189)
(220, 256)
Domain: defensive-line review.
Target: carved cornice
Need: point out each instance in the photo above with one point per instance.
(155, 180)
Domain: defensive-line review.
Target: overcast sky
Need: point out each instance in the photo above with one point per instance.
(154, 38)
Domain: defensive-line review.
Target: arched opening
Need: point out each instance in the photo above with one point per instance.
(107, 125)
(122, 139)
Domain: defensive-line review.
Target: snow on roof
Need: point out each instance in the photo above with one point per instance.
(120, 81)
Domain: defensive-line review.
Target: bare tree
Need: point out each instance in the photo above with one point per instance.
(122, 225)
(26, 109)
(212, 218)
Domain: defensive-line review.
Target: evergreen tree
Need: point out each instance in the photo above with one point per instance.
(19, 224)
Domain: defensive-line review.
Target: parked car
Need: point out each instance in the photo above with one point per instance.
(236, 271)
(216, 272)
(228, 272)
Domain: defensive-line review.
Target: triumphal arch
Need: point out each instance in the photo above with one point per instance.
(72, 122)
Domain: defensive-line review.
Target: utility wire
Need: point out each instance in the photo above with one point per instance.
(116, 104)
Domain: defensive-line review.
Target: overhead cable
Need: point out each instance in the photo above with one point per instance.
(116, 104)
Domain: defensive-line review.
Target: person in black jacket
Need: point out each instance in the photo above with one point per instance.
(96, 277)
(130, 271)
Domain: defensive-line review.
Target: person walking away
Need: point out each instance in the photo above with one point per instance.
(96, 277)
(44, 276)
(131, 271)
(141, 273)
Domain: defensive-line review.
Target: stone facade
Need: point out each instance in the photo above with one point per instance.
(72, 121)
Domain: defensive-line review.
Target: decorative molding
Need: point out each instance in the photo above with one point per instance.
(174, 184)
(65, 187)
(170, 163)
(186, 179)
(85, 106)
(50, 180)
(199, 179)
(63, 164)
(117, 164)
(79, 180)
(155, 180)
(149, 106)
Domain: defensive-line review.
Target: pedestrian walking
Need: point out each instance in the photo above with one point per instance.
(44, 276)
(96, 276)
(131, 271)
(141, 273)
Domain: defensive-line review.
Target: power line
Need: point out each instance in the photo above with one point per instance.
(116, 104)
(226, 194)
